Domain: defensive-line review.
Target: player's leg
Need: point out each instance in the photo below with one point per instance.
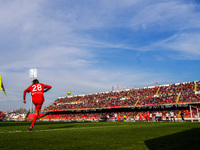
(38, 105)
(34, 119)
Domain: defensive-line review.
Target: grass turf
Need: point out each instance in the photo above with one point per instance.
(101, 135)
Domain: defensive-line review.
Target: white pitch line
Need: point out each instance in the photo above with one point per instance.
(61, 129)
(14, 131)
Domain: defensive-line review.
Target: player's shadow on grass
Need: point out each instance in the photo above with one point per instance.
(189, 139)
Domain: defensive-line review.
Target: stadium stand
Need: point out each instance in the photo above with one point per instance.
(134, 103)
(153, 116)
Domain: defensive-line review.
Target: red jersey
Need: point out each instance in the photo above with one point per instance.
(37, 91)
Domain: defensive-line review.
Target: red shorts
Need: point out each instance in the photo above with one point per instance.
(38, 104)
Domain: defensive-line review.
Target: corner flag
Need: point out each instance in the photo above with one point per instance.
(2, 87)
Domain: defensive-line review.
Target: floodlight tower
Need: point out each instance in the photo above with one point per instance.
(33, 75)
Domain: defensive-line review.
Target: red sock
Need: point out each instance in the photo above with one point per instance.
(34, 120)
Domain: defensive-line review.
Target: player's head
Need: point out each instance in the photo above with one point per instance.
(35, 81)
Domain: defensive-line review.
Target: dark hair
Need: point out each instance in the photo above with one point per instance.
(35, 81)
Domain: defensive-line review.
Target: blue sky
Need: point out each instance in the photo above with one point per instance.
(88, 46)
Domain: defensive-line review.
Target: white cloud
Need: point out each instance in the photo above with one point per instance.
(13, 13)
(186, 42)
(187, 46)
(173, 14)
(49, 57)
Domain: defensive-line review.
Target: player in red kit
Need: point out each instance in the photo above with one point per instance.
(37, 89)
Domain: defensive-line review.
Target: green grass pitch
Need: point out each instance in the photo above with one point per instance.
(100, 135)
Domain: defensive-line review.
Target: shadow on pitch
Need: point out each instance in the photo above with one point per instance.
(189, 139)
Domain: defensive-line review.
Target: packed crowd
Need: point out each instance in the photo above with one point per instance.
(187, 92)
(146, 116)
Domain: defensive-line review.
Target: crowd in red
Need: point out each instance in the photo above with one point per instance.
(187, 92)
(1, 116)
(153, 116)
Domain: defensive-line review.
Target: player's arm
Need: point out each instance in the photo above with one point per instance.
(47, 87)
(24, 95)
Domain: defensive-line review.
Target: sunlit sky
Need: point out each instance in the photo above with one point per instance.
(91, 46)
